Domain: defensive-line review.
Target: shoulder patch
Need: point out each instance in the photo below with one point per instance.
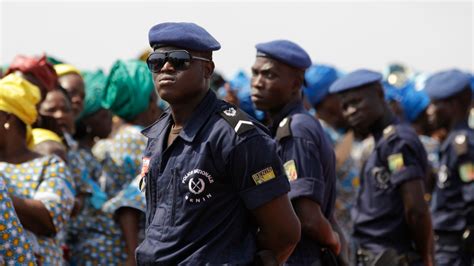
(389, 131)
(237, 119)
(395, 162)
(466, 172)
(461, 146)
(263, 176)
(290, 169)
(284, 128)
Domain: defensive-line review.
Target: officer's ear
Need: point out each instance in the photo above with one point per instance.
(208, 69)
(379, 90)
(298, 81)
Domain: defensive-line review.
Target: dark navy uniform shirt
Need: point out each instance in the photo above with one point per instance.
(200, 190)
(309, 163)
(453, 195)
(378, 215)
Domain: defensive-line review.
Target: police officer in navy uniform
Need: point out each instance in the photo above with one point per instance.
(216, 190)
(308, 158)
(392, 223)
(452, 204)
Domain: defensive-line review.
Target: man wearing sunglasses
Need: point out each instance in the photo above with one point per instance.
(215, 189)
(277, 79)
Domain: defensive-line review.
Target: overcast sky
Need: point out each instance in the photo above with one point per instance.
(427, 36)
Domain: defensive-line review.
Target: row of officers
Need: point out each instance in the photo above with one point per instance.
(222, 188)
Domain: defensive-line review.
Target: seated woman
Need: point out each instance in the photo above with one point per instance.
(39, 186)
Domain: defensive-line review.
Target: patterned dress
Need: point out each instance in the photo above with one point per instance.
(346, 185)
(48, 180)
(15, 248)
(96, 237)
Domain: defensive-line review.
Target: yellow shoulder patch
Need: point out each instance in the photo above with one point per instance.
(290, 169)
(263, 176)
(395, 162)
(466, 172)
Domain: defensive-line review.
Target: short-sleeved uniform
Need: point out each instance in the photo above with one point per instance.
(309, 162)
(201, 188)
(48, 180)
(15, 247)
(398, 156)
(452, 204)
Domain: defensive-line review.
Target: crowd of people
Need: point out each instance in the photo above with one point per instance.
(162, 161)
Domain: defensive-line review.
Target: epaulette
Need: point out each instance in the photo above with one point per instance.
(237, 119)
(284, 128)
(389, 131)
(460, 143)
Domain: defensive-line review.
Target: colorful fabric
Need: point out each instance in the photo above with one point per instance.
(128, 89)
(93, 235)
(15, 248)
(48, 180)
(122, 158)
(64, 69)
(347, 183)
(95, 86)
(40, 68)
(19, 97)
(79, 171)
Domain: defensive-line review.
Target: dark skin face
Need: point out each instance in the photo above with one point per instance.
(100, 123)
(274, 84)
(74, 85)
(330, 111)
(57, 105)
(362, 107)
(422, 125)
(440, 113)
(177, 87)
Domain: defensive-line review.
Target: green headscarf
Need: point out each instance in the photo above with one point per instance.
(128, 89)
(95, 85)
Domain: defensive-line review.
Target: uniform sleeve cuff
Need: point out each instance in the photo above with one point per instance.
(408, 173)
(260, 194)
(308, 187)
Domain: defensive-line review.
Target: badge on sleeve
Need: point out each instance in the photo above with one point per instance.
(290, 169)
(263, 176)
(145, 167)
(466, 172)
(395, 162)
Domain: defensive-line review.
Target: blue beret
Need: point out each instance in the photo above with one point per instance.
(445, 84)
(414, 102)
(286, 52)
(355, 79)
(318, 79)
(184, 35)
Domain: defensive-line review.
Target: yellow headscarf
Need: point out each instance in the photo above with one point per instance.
(41, 135)
(19, 97)
(64, 69)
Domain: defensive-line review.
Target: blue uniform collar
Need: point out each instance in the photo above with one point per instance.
(289, 109)
(190, 130)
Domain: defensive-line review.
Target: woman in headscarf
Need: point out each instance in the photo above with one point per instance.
(40, 186)
(71, 80)
(36, 70)
(129, 94)
(94, 237)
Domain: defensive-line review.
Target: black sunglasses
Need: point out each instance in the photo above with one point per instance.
(179, 59)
